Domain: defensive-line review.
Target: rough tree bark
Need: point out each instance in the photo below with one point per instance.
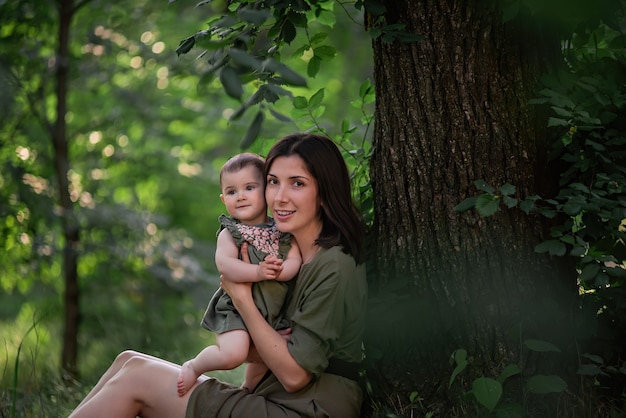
(451, 109)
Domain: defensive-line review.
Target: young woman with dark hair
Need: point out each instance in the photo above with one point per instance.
(313, 369)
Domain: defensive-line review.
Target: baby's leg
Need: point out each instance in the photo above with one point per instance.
(230, 351)
(253, 375)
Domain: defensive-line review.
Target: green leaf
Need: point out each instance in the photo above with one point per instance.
(467, 204)
(509, 201)
(327, 18)
(483, 186)
(510, 370)
(602, 280)
(242, 58)
(507, 189)
(288, 31)
(572, 208)
(289, 75)
(541, 346)
(487, 205)
(596, 146)
(590, 271)
(557, 122)
(366, 88)
(562, 112)
(277, 91)
(487, 392)
(316, 99)
(325, 52)
(580, 187)
(255, 16)
(596, 359)
(231, 82)
(554, 247)
(527, 205)
(546, 384)
(548, 213)
(589, 370)
(458, 357)
(617, 271)
(253, 130)
(566, 139)
(300, 102)
(280, 116)
(185, 45)
(313, 66)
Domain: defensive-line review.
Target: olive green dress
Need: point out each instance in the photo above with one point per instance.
(269, 295)
(326, 306)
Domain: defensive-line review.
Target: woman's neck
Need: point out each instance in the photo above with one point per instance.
(309, 253)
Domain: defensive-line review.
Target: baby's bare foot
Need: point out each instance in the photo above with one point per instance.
(186, 378)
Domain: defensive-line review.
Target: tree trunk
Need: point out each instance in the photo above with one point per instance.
(452, 109)
(70, 227)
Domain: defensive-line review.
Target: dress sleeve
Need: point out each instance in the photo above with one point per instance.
(229, 223)
(316, 315)
(284, 244)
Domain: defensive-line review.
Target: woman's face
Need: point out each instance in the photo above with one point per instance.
(292, 197)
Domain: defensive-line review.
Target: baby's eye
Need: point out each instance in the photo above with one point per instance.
(230, 192)
(250, 187)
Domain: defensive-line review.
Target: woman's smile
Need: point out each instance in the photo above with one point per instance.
(293, 199)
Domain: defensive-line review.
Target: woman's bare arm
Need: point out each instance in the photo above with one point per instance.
(269, 343)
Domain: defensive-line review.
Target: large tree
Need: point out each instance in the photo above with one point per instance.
(451, 109)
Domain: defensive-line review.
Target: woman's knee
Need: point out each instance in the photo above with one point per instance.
(124, 356)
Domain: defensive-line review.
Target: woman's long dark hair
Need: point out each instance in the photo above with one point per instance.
(342, 223)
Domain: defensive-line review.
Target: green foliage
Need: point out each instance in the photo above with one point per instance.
(488, 391)
(356, 152)
(244, 46)
(145, 151)
(588, 103)
(251, 47)
(143, 187)
(588, 213)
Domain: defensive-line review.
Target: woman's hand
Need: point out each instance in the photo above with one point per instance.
(238, 292)
(253, 355)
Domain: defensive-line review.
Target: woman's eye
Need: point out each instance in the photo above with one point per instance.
(271, 181)
(298, 184)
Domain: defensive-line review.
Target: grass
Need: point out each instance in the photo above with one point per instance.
(30, 381)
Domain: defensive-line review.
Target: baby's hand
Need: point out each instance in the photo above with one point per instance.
(270, 268)
(274, 260)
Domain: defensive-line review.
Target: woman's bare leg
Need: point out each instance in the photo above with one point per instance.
(230, 351)
(136, 384)
(115, 367)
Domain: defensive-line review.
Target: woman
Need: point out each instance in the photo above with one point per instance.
(313, 370)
